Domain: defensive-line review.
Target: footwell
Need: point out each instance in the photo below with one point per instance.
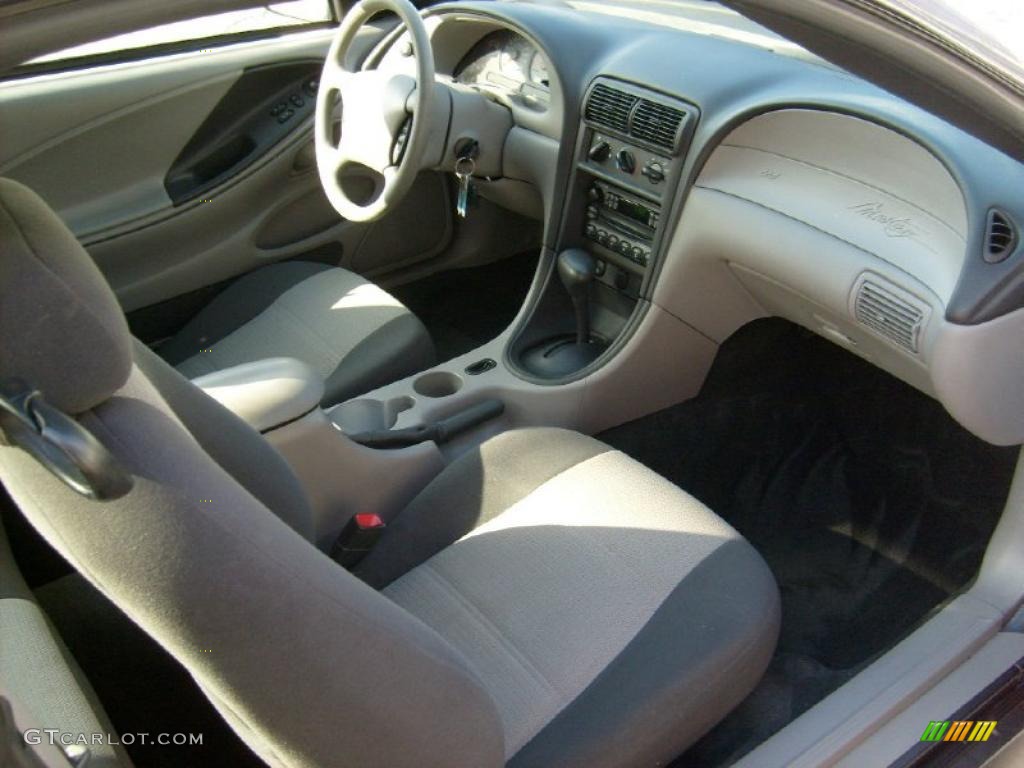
(869, 503)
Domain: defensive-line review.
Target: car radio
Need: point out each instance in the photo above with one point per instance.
(621, 222)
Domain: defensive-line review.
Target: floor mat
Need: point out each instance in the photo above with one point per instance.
(869, 503)
(464, 308)
(143, 689)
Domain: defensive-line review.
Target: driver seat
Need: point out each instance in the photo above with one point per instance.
(353, 333)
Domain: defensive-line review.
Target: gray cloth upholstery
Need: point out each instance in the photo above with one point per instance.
(354, 334)
(477, 486)
(612, 617)
(37, 670)
(699, 655)
(238, 448)
(55, 305)
(244, 300)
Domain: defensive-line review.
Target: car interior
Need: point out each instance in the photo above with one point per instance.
(591, 383)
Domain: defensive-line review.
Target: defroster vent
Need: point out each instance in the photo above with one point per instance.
(889, 312)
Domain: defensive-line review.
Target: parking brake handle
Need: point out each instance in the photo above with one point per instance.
(440, 431)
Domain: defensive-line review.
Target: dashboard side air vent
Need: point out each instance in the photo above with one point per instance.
(610, 107)
(889, 312)
(657, 123)
(1000, 237)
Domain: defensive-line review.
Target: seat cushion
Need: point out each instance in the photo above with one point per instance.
(612, 617)
(356, 335)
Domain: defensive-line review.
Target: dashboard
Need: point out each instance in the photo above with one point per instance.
(729, 180)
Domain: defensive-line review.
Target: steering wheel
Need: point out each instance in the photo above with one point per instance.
(377, 130)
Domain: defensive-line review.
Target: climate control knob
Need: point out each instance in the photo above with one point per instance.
(625, 161)
(600, 151)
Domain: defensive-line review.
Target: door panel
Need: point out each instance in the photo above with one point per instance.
(109, 148)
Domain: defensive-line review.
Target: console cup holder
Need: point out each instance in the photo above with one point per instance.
(367, 415)
(437, 384)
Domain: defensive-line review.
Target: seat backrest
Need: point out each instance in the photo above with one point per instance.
(310, 665)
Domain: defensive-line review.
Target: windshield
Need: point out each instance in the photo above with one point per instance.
(989, 30)
(699, 16)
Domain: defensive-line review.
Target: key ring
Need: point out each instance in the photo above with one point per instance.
(464, 167)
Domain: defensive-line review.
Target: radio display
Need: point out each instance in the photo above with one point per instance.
(634, 211)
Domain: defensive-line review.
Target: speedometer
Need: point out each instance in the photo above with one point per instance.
(539, 71)
(512, 62)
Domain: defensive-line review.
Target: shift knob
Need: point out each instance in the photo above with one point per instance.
(577, 270)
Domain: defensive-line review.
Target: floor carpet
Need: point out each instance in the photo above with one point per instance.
(464, 308)
(869, 503)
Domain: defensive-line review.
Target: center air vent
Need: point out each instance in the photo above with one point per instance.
(657, 123)
(1000, 237)
(610, 107)
(890, 312)
(643, 119)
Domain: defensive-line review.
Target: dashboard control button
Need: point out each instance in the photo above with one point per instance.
(613, 241)
(625, 161)
(600, 151)
(297, 100)
(602, 236)
(311, 86)
(591, 211)
(595, 194)
(623, 248)
(590, 231)
(277, 109)
(285, 116)
(600, 267)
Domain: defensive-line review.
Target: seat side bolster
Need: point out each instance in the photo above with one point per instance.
(700, 654)
(235, 306)
(238, 448)
(399, 348)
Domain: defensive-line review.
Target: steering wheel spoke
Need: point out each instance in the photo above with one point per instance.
(374, 107)
(335, 75)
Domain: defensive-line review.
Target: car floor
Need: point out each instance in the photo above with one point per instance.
(465, 308)
(869, 503)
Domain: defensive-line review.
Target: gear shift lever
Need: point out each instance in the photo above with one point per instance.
(560, 354)
(577, 270)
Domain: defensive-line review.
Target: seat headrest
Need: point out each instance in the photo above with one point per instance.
(61, 328)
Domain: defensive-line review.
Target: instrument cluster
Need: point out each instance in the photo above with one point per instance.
(507, 62)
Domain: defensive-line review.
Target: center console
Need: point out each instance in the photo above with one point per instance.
(629, 153)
